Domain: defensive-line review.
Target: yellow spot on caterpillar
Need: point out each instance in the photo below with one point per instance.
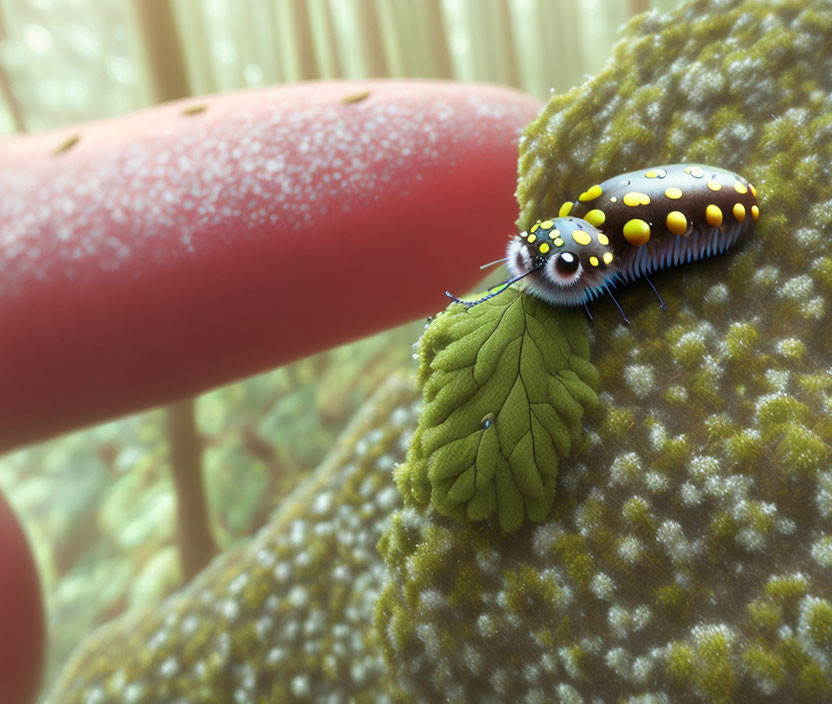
(695, 171)
(554, 233)
(656, 173)
(740, 188)
(535, 227)
(674, 193)
(531, 238)
(635, 198)
(546, 224)
(713, 215)
(714, 185)
(559, 242)
(595, 217)
(603, 239)
(676, 222)
(594, 261)
(739, 212)
(613, 199)
(753, 190)
(590, 193)
(581, 237)
(607, 257)
(565, 209)
(544, 247)
(755, 212)
(636, 232)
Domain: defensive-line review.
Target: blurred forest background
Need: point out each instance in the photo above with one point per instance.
(100, 505)
(65, 61)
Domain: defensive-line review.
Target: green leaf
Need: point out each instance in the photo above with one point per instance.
(505, 385)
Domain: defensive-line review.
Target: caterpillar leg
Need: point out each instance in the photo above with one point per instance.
(661, 302)
(620, 309)
(588, 314)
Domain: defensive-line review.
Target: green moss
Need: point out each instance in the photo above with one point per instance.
(715, 675)
(802, 450)
(575, 660)
(722, 528)
(744, 448)
(638, 515)
(527, 592)
(785, 590)
(573, 554)
(618, 422)
(675, 453)
(468, 588)
(822, 270)
(675, 602)
(776, 411)
(703, 385)
(399, 540)
(792, 653)
(765, 616)
(680, 664)
(819, 620)
(676, 395)
(688, 348)
(816, 383)
(764, 665)
(719, 427)
(740, 342)
(814, 684)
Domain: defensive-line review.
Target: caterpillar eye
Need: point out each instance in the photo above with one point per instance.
(564, 269)
(566, 264)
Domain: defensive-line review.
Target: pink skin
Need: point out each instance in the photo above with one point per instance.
(22, 623)
(164, 254)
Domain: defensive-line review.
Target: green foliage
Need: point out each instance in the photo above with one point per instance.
(506, 384)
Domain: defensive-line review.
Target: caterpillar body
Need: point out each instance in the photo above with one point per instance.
(628, 226)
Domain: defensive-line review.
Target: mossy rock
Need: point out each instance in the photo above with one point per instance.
(687, 554)
(283, 616)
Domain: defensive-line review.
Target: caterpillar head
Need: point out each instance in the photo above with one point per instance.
(564, 260)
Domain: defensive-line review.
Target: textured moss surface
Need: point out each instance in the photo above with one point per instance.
(283, 616)
(688, 555)
(505, 385)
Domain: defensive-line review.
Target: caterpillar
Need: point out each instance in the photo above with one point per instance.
(627, 227)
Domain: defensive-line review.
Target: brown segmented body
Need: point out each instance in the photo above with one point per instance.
(667, 215)
(627, 227)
